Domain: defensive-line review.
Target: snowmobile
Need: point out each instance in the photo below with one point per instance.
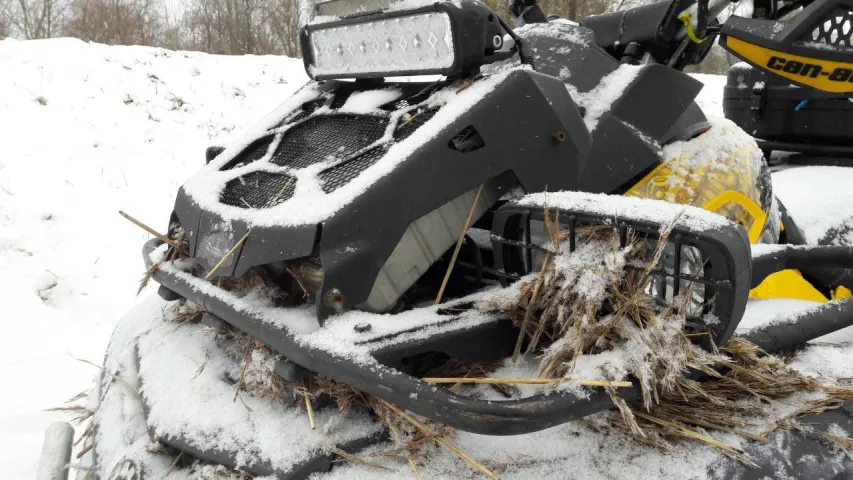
(793, 91)
(349, 199)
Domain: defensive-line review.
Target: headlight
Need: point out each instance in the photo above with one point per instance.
(443, 38)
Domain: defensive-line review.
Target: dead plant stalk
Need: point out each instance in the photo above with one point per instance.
(444, 442)
(458, 245)
(150, 230)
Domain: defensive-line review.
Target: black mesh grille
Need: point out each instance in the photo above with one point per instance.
(307, 109)
(258, 190)
(302, 112)
(409, 124)
(327, 138)
(836, 30)
(321, 138)
(252, 153)
(339, 175)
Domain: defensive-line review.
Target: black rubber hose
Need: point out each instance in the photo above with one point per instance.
(797, 328)
(799, 257)
(525, 55)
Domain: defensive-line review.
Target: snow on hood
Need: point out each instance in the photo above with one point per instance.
(309, 204)
(630, 208)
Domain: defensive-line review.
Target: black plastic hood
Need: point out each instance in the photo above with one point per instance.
(528, 132)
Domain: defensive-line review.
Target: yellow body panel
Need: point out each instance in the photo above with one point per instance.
(841, 292)
(745, 211)
(726, 182)
(787, 284)
(825, 75)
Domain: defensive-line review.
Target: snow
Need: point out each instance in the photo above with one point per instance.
(628, 208)
(369, 101)
(811, 196)
(385, 329)
(89, 129)
(571, 451)
(254, 427)
(764, 312)
(598, 100)
(762, 249)
(121, 128)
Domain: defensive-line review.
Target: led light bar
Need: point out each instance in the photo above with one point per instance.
(423, 41)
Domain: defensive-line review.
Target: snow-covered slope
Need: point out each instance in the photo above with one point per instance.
(86, 130)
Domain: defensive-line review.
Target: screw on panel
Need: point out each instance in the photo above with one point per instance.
(363, 327)
(335, 299)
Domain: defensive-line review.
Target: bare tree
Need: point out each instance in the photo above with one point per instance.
(574, 10)
(31, 19)
(125, 22)
(281, 19)
(4, 18)
(243, 26)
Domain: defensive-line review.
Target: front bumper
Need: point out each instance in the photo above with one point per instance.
(511, 417)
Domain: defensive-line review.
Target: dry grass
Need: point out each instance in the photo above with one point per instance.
(184, 311)
(562, 320)
(257, 376)
(409, 436)
(593, 305)
(241, 286)
(80, 415)
(178, 249)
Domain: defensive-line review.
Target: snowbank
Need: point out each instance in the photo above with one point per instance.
(87, 130)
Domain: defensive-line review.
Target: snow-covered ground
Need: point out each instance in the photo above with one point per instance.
(88, 130)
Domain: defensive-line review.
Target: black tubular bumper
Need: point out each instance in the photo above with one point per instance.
(519, 416)
(512, 417)
(793, 330)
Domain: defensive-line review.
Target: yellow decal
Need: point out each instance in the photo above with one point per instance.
(823, 75)
(787, 284)
(841, 292)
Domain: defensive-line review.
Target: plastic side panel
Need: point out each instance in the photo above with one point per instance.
(664, 91)
(210, 237)
(517, 122)
(627, 140)
(424, 242)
